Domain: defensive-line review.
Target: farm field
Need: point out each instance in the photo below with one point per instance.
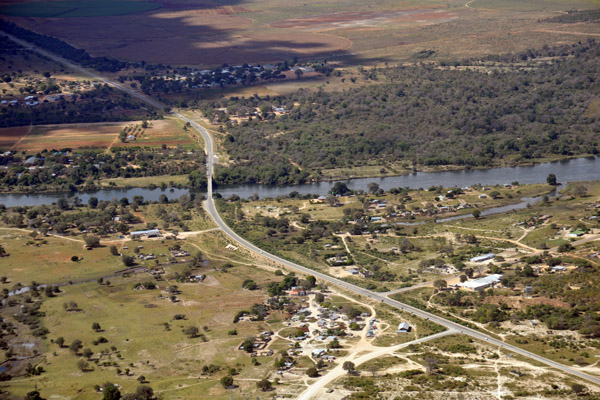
(102, 135)
(184, 33)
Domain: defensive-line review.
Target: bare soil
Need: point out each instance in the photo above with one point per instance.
(364, 19)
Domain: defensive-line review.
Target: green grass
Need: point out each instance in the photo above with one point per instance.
(132, 321)
(146, 181)
(51, 262)
(78, 8)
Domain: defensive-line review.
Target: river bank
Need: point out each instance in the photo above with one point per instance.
(580, 169)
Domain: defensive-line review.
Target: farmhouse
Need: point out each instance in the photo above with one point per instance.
(297, 291)
(149, 233)
(483, 258)
(481, 283)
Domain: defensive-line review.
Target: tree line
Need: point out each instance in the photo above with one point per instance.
(422, 115)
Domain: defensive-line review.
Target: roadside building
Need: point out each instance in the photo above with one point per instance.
(481, 283)
(483, 258)
(404, 327)
(148, 234)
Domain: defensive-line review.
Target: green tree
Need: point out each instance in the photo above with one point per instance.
(87, 353)
(348, 366)
(83, 365)
(93, 202)
(110, 392)
(264, 384)
(551, 180)
(33, 395)
(476, 213)
(128, 261)
(340, 189)
(191, 332)
(312, 372)
(75, 346)
(92, 241)
(440, 284)
(227, 381)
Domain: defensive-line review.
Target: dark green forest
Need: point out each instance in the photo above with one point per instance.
(503, 110)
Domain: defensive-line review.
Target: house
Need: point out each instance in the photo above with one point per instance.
(318, 352)
(481, 283)
(404, 327)
(483, 258)
(353, 271)
(31, 160)
(148, 233)
(297, 291)
(577, 233)
(558, 268)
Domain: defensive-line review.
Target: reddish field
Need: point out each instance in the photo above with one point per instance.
(94, 135)
(10, 136)
(361, 19)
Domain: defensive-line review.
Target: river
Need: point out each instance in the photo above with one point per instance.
(579, 169)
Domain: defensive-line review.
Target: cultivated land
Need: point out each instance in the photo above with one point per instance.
(181, 32)
(102, 135)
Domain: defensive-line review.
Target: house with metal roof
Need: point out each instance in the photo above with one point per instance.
(481, 283)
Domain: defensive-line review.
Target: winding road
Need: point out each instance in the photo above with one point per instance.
(211, 209)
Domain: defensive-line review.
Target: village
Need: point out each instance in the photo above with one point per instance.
(314, 329)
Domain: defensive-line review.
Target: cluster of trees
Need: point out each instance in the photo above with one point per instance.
(100, 104)
(97, 217)
(62, 48)
(426, 116)
(111, 392)
(72, 170)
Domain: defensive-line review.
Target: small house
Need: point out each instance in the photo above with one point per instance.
(148, 233)
(297, 291)
(404, 327)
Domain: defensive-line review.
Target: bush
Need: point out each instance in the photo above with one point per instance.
(227, 381)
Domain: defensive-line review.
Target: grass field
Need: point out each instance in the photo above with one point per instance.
(51, 262)
(344, 31)
(132, 321)
(77, 8)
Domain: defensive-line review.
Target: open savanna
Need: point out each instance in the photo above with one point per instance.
(102, 135)
(50, 262)
(133, 321)
(347, 31)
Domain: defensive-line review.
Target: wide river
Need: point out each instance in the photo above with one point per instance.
(579, 169)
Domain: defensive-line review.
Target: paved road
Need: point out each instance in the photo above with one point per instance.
(210, 207)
